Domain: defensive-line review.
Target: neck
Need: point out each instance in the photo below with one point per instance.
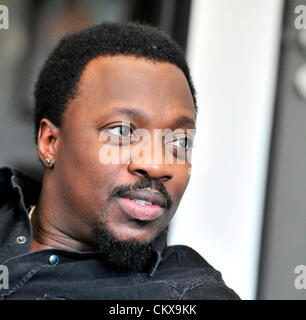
(47, 236)
(50, 228)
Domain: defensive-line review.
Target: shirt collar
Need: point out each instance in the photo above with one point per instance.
(159, 245)
(29, 191)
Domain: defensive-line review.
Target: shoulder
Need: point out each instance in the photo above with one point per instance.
(193, 276)
(14, 182)
(187, 257)
(6, 174)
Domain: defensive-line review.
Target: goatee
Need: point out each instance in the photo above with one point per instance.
(122, 255)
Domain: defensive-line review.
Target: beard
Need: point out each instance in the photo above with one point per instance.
(126, 254)
(123, 255)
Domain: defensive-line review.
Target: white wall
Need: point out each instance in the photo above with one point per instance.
(233, 55)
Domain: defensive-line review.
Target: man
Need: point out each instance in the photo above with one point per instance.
(96, 230)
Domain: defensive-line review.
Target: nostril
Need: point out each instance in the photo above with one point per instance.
(166, 178)
(142, 172)
(151, 171)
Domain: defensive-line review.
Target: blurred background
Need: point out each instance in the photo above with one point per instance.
(244, 210)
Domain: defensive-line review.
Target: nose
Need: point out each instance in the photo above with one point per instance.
(153, 167)
(162, 172)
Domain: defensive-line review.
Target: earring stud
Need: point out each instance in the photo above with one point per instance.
(47, 162)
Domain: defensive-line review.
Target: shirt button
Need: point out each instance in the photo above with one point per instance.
(53, 259)
(21, 239)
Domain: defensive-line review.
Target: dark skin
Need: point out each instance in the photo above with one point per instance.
(76, 186)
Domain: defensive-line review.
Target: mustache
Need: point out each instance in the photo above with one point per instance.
(143, 184)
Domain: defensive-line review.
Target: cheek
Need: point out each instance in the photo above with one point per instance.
(181, 179)
(81, 176)
(177, 186)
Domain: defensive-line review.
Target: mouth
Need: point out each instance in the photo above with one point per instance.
(143, 205)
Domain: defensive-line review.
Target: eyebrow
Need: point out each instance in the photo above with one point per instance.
(138, 114)
(132, 113)
(184, 121)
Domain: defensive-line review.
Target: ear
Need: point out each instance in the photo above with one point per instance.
(47, 142)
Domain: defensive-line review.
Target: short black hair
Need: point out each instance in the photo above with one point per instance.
(59, 77)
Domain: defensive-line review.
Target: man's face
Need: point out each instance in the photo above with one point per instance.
(116, 96)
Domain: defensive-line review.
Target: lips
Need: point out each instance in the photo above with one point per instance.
(147, 205)
(146, 195)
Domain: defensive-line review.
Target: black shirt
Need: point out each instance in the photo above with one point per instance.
(176, 272)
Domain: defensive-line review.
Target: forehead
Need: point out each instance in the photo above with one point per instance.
(157, 88)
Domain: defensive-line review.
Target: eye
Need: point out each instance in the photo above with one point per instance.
(120, 134)
(123, 130)
(183, 143)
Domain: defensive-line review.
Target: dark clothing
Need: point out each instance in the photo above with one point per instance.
(176, 272)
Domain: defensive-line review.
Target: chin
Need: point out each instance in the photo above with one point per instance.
(141, 231)
(122, 250)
